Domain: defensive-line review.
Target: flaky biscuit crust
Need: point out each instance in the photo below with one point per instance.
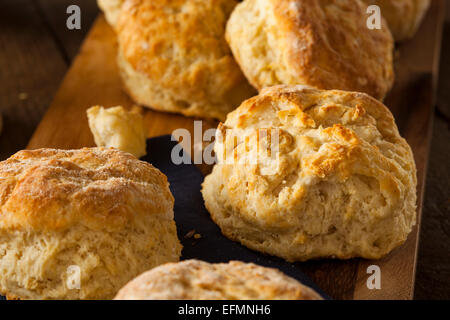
(325, 44)
(198, 280)
(403, 16)
(98, 209)
(173, 57)
(344, 184)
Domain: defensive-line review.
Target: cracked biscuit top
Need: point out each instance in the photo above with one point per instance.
(102, 189)
(321, 43)
(341, 181)
(198, 280)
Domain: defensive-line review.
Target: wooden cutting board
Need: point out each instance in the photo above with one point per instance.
(94, 79)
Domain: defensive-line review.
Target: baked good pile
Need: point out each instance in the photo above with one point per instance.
(341, 184)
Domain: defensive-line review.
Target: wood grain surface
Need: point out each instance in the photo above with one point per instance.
(35, 53)
(433, 261)
(25, 96)
(38, 49)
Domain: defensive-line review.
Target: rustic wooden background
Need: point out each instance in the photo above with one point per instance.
(36, 50)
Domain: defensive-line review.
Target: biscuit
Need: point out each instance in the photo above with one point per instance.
(173, 57)
(403, 16)
(340, 182)
(92, 217)
(324, 44)
(198, 280)
(111, 9)
(115, 127)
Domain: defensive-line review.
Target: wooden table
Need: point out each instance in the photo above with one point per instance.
(37, 49)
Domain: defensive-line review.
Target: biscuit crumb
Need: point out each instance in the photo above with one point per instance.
(190, 234)
(23, 96)
(118, 128)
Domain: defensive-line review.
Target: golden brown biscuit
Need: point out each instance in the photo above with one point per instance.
(198, 280)
(173, 57)
(325, 44)
(403, 16)
(111, 9)
(118, 128)
(342, 182)
(99, 211)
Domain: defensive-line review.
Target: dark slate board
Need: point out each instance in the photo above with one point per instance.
(191, 214)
